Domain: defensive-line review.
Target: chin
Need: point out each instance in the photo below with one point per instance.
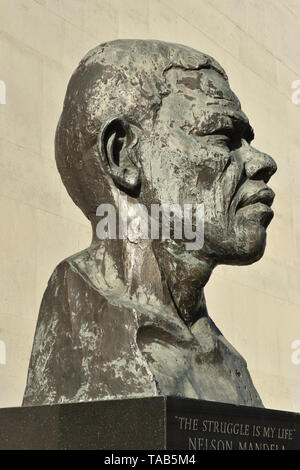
(251, 246)
(243, 244)
(243, 248)
(250, 234)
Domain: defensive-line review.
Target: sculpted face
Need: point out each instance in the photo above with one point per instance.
(167, 130)
(201, 152)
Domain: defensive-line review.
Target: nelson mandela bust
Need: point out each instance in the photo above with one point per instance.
(159, 124)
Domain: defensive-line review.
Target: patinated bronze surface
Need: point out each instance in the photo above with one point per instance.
(156, 122)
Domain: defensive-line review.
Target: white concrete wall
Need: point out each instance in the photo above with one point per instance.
(41, 42)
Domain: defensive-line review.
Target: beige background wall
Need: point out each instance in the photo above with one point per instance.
(41, 42)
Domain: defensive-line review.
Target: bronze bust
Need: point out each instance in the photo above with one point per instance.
(156, 122)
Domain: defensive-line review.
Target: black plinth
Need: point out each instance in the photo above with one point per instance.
(149, 424)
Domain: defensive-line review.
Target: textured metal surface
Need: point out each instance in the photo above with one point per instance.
(159, 123)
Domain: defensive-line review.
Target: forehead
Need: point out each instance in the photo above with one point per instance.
(202, 100)
(208, 82)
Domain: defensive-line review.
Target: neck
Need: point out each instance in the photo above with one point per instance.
(186, 276)
(159, 273)
(135, 265)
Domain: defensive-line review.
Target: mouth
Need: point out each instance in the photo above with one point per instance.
(263, 196)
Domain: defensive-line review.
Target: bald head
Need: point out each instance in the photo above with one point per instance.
(125, 79)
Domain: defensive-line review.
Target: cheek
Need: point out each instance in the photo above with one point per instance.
(226, 185)
(213, 180)
(166, 175)
(212, 165)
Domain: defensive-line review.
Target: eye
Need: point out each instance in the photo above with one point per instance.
(231, 141)
(235, 142)
(222, 139)
(249, 134)
(232, 138)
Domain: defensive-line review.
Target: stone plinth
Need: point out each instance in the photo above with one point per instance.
(148, 424)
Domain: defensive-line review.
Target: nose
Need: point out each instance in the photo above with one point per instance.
(258, 165)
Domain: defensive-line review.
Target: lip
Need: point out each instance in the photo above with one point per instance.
(264, 196)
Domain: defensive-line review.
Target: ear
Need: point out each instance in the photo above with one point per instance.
(116, 141)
